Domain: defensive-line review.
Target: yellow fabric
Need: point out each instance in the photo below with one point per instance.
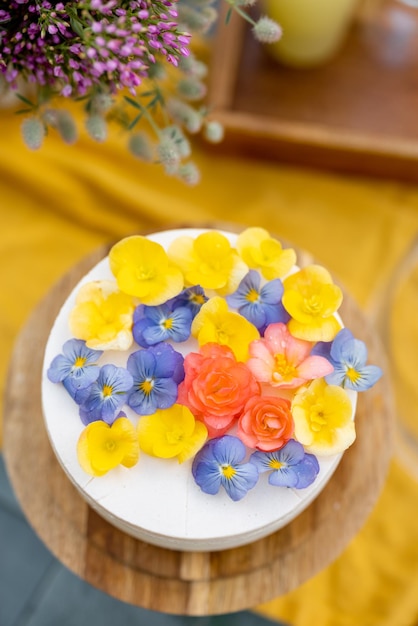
(61, 203)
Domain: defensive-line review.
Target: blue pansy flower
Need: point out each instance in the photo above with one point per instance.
(107, 394)
(259, 305)
(349, 358)
(290, 466)
(76, 368)
(156, 373)
(77, 365)
(192, 298)
(220, 463)
(153, 324)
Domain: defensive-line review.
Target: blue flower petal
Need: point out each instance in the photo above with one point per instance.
(284, 477)
(307, 471)
(168, 362)
(59, 369)
(208, 477)
(245, 478)
(228, 450)
(272, 292)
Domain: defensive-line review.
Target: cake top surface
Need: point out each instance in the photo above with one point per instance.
(199, 388)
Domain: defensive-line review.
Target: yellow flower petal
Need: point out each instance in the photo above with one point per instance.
(262, 252)
(317, 330)
(142, 269)
(322, 416)
(311, 299)
(102, 447)
(170, 433)
(102, 316)
(215, 323)
(208, 261)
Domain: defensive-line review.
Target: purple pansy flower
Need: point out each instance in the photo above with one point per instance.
(76, 368)
(290, 466)
(220, 462)
(192, 298)
(153, 324)
(259, 305)
(107, 394)
(156, 373)
(349, 357)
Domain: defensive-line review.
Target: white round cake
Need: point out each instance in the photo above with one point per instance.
(235, 478)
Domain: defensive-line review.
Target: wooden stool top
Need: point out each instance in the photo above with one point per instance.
(188, 583)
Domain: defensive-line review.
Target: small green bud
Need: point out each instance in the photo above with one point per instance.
(266, 30)
(33, 132)
(96, 127)
(214, 131)
(191, 89)
(140, 146)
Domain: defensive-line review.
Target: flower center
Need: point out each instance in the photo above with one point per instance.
(79, 362)
(110, 445)
(253, 296)
(313, 304)
(145, 273)
(167, 323)
(317, 418)
(283, 368)
(107, 390)
(275, 464)
(228, 471)
(353, 375)
(197, 298)
(175, 436)
(146, 385)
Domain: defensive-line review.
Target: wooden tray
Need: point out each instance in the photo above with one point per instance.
(357, 114)
(190, 583)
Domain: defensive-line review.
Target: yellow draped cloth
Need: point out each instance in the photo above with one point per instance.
(62, 202)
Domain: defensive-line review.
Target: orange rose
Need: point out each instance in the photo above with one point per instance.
(266, 424)
(216, 387)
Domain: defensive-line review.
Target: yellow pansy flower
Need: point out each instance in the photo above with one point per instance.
(215, 323)
(170, 433)
(102, 316)
(102, 447)
(311, 298)
(208, 261)
(262, 252)
(142, 269)
(322, 415)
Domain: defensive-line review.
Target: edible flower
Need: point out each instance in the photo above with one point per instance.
(192, 298)
(289, 467)
(262, 252)
(220, 463)
(311, 299)
(170, 433)
(216, 387)
(323, 418)
(107, 394)
(259, 305)
(142, 269)
(156, 373)
(77, 365)
(209, 261)
(102, 447)
(102, 316)
(266, 423)
(153, 324)
(349, 358)
(284, 361)
(215, 323)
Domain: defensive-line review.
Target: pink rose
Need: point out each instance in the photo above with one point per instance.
(216, 387)
(266, 423)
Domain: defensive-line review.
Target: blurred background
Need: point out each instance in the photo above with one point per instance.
(323, 154)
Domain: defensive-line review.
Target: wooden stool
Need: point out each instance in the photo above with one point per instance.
(189, 583)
